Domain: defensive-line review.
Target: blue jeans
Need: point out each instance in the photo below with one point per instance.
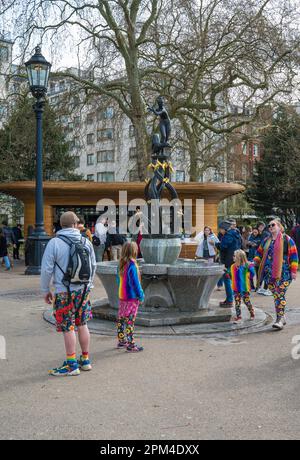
(220, 282)
(6, 261)
(228, 287)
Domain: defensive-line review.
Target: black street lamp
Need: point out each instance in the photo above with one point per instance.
(38, 74)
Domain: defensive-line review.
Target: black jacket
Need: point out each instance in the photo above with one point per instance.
(3, 246)
(115, 239)
(231, 241)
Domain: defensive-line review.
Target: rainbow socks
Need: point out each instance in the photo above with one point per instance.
(71, 359)
(85, 356)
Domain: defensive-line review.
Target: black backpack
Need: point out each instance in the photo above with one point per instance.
(79, 268)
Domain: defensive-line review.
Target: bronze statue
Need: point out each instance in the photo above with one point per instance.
(164, 123)
(160, 164)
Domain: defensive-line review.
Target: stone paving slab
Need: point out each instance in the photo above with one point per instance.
(105, 327)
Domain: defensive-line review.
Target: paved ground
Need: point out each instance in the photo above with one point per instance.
(222, 387)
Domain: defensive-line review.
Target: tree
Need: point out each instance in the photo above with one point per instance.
(18, 147)
(275, 188)
(220, 63)
(204, 56)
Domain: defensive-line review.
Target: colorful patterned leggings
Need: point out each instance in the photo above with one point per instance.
(238, 297)
(278, 289)
(126, 319)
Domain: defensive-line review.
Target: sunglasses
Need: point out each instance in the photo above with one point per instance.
(272, 225)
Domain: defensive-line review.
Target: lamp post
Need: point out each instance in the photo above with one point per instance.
(38, 74)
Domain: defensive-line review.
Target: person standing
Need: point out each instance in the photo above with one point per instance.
(83, 230)
(130, 296)
(277, 259)
(245, 239)
(207, 244)
(10, 238)
(231, 241)
(264, 234)
(3, 251)
(71, 304)
(99, 239)
(115, 241)
(254, 242)
(295, 234)
(17, 230)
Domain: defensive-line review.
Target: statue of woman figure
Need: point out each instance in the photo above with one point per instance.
(164, 123)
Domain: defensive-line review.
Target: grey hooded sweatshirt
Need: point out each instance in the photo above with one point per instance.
(57, 251)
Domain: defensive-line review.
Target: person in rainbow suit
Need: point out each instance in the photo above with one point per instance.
(131, 295)
(277, 259)
(241, 274)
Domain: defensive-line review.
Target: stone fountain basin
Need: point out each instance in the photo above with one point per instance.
(174, 294)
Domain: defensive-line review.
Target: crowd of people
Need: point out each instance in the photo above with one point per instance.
(264, 253)
(262, 259)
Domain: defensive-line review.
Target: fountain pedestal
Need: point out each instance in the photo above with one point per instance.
(174, 294)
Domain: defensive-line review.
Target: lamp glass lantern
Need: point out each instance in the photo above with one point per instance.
(38, 70)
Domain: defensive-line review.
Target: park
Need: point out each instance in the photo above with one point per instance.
(149, 205)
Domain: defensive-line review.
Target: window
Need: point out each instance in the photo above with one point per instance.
(90, 177)
(77, 162)
(133, 176)
(90, 118)
(90, 159)
(244, 148)
(77, 141)
(76, 122)
(52, 87)
(105, 134)
(106, 114)
(180, 176)
(70, 125)
(255, 150)
(131, 131)
(105, 156)
(62, 85)
(4, 53)
(244, 172)
(90, 138)
(132, 153)
(106, 176)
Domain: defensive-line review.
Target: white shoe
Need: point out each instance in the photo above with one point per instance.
(260, 291)
(279, 324)
(267, 292)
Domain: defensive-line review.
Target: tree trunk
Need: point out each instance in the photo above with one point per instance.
(138, 115)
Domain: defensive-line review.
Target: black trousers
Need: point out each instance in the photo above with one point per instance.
(16, 251)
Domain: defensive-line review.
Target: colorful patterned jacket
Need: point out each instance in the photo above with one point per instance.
(290, 254)
(241, 277)
(130, 283)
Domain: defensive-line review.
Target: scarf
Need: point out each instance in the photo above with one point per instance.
(277, 258)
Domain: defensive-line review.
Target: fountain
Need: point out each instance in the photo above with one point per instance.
(177, 291)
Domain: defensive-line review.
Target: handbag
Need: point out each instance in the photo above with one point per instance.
(96, 241)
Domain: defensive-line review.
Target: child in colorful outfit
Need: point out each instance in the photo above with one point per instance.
(242, 273)
(130, 295)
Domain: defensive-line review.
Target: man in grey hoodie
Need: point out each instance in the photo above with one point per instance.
(72, 310)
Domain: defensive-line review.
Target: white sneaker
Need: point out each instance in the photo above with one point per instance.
(260, 291)
(267, 292)
(279, 324)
